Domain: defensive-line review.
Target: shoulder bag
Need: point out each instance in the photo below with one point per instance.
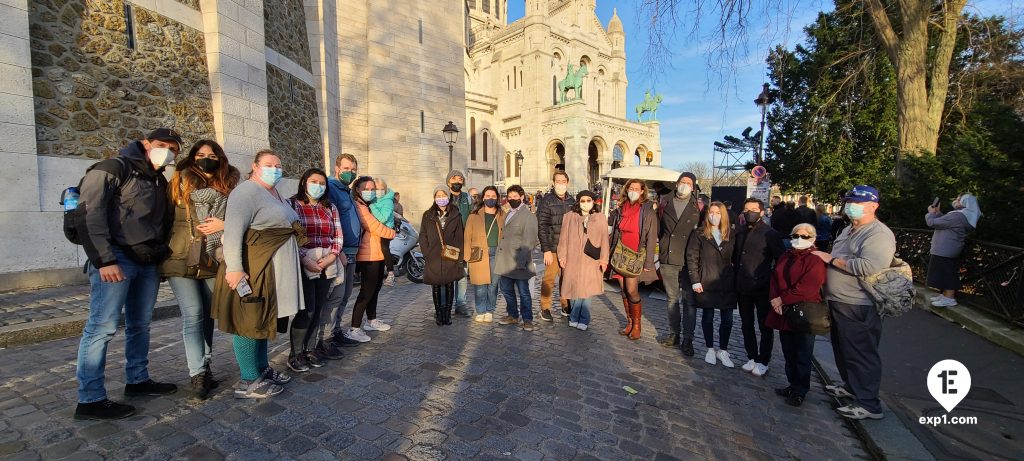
(448, 252)
(806, 316)
(624, 259)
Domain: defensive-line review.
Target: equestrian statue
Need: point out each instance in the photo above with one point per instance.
(573, 81)
(650, 104)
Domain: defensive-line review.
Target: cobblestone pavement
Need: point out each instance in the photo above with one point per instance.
(423, 392)
(20, 307)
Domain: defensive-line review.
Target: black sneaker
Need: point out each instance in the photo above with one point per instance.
(784, 392)
(328, 351)
(340, 340)
(277, 377)
(795, 400)
(313, 359)
(298, 363)
(104, 409)
(545, 315)
(211, 383)
(149, 387)
(688, 347)
(200, 390)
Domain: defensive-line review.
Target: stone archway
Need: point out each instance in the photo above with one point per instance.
(619, 155)
(640, 154)
(555, 154)
(597, 159)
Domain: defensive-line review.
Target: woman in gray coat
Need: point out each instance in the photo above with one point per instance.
(951, 231)
(513, 261)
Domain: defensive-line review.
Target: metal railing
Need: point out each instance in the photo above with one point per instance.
(991, 275)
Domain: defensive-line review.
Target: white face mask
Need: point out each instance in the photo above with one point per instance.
(586, 207)
(801, 244)
(633, 195)
(715, 219)
(684, 190)
(561, 188)
(160, 157)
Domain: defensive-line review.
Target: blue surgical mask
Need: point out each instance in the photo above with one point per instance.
(368, 196)
(490, 202)
(315, 190)
(270, 175)
(854, 210)
(381, 193)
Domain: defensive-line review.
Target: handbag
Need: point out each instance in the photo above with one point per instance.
(476, 253)
(588, 248)
(806, 316)
(624, 259)
(448, 252)
(197, 259)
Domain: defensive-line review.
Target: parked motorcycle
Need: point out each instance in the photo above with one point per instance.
(405, 254)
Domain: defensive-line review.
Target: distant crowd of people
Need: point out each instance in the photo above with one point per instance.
(252, 262)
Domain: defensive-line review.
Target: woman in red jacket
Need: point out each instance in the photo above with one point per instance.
(799, 276)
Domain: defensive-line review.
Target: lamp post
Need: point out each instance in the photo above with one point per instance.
(650, 157)
(519, 166)
(762, 102)
(451, 136)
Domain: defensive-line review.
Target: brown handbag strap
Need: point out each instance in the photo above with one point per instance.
(440, 234)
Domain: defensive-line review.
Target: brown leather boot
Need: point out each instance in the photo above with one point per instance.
(636, 313)
(629, 317)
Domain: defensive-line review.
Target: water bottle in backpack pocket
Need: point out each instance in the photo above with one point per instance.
(69, 200)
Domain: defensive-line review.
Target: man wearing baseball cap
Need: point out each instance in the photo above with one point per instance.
(865, 247)
(125, 240)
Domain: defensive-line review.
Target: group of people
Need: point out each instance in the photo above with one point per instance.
(253, 263)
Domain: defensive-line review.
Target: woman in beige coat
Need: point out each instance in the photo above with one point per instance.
(583, 255)
(483, 231)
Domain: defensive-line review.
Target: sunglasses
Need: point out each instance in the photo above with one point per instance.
(800, 236)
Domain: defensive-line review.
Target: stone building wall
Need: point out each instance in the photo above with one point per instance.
(294, 122)
(285, 30)
(194, 4)
(93, 94)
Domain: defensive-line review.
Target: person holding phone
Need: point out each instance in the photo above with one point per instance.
(948, 240)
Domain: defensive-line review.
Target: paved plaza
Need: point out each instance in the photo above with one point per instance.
(423, 392)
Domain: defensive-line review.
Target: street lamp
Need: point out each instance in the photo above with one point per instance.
(519, 166)
(650, 157)
(451, 135)
(762, 102)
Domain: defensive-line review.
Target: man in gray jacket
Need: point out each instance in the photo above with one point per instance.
(124, 231)
(864, 248)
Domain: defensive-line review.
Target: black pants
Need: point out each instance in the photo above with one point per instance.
(798, 349)
(371, 274)
(856, 331)
(707, 323)
(444, 297)
(756, 305)
(385, 247)
(314, 292)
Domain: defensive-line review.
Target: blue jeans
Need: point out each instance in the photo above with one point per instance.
(337, 300)
(460, 292)
(487, 295)
(508, 289)
(137, 295)
(196, 324)
(580, 311)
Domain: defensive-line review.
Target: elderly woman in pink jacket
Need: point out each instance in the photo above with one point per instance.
(583, 255)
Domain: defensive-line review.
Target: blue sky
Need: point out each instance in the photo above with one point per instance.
(700, 107)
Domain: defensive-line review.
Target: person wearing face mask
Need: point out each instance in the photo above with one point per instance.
(635, 227)
(262, 236)
(583, 255)
(383, 208)
(441, 227)
(319, 260)
(550, 209)
(798, 277)
(483, 232)
(865, 247)
(460, 199)
(514, 259)
(758, 246)
(951, 231)
(124, 240)
(709, 261)
(679, 217)
(199, 192)
(369, 263)
(346, 169)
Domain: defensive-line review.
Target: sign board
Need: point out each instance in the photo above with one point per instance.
(760, 189)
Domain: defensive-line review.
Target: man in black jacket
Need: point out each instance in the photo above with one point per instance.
(679, 217)
(805, 214)
(550, 209)
(758, 247)
(125, 229)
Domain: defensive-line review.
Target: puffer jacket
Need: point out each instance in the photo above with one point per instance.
(550, 211)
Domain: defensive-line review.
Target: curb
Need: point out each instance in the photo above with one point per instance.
(983, 325)
(872, 448)
(67, 327)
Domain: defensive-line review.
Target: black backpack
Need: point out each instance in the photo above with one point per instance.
(74, 218)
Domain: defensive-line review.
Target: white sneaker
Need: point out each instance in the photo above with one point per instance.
(390, 279)
(376, 325)
(710, 356)
(357, 334)
(936, 297)
(944, 302)
(760, 369)
(478, 318)
(574, 324)
(749, 366)
(581, 326)
(723, 356)
(488, 317)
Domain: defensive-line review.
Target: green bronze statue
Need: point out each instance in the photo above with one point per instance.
(650, 104)
(573, 81)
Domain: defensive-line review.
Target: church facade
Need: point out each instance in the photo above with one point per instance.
(548, 92)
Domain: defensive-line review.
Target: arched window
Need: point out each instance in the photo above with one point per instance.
(472, 138)
(515, 72)
(554, 89)
(487, 6)
(508, 163)
(599, 101)
(485, 146)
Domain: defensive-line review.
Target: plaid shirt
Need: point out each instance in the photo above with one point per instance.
(323, 227)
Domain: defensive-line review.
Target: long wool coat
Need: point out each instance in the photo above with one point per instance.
(437, 270)
(476, 237)
(710, 264)
(581, 275)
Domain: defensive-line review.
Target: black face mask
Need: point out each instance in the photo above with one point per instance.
(490, 202)
(456, 186)
(752, 217)
(208, 165)
(515, 203)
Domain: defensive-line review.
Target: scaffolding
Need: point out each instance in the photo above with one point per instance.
(731, 158)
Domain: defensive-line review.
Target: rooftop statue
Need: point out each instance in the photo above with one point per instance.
(649, 104)
(573, 81)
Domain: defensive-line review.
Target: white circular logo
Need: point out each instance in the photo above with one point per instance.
(949, 382)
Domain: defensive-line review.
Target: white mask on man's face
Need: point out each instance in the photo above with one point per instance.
(684, 190)
(160, 157)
